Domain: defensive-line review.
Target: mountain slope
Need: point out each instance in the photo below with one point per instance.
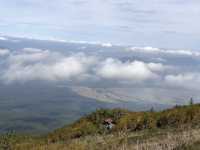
(174, 128)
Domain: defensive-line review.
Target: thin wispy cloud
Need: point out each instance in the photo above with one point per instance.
(169, 24)
(164, 51)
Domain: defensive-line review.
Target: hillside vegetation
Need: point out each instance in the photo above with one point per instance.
(177, 128)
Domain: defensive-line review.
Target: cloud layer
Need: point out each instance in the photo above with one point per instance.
(107, 64)
(164, 51)
(189, 80)
(36, 64)
(135, 71)
(4, 52)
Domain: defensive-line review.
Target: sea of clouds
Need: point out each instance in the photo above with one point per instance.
(33, 64)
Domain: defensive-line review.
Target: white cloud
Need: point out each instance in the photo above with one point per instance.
(165, 51)
(184, 80)
(159, 59)
(32, 50)
(91, 43)
(157, 67)
(24, 57)
(85, 42)
(45, 65)
(3, 38)
(134, 71)
(4, 52)
(106, 45)
(145, 49)
(37, 64)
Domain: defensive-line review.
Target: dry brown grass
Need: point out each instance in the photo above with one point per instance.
(122, 141)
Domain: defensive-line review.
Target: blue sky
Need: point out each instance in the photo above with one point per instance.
(157, 23)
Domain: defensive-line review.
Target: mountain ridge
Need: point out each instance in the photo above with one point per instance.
(174, 128)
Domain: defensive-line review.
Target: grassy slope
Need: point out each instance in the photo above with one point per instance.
(169, 129)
